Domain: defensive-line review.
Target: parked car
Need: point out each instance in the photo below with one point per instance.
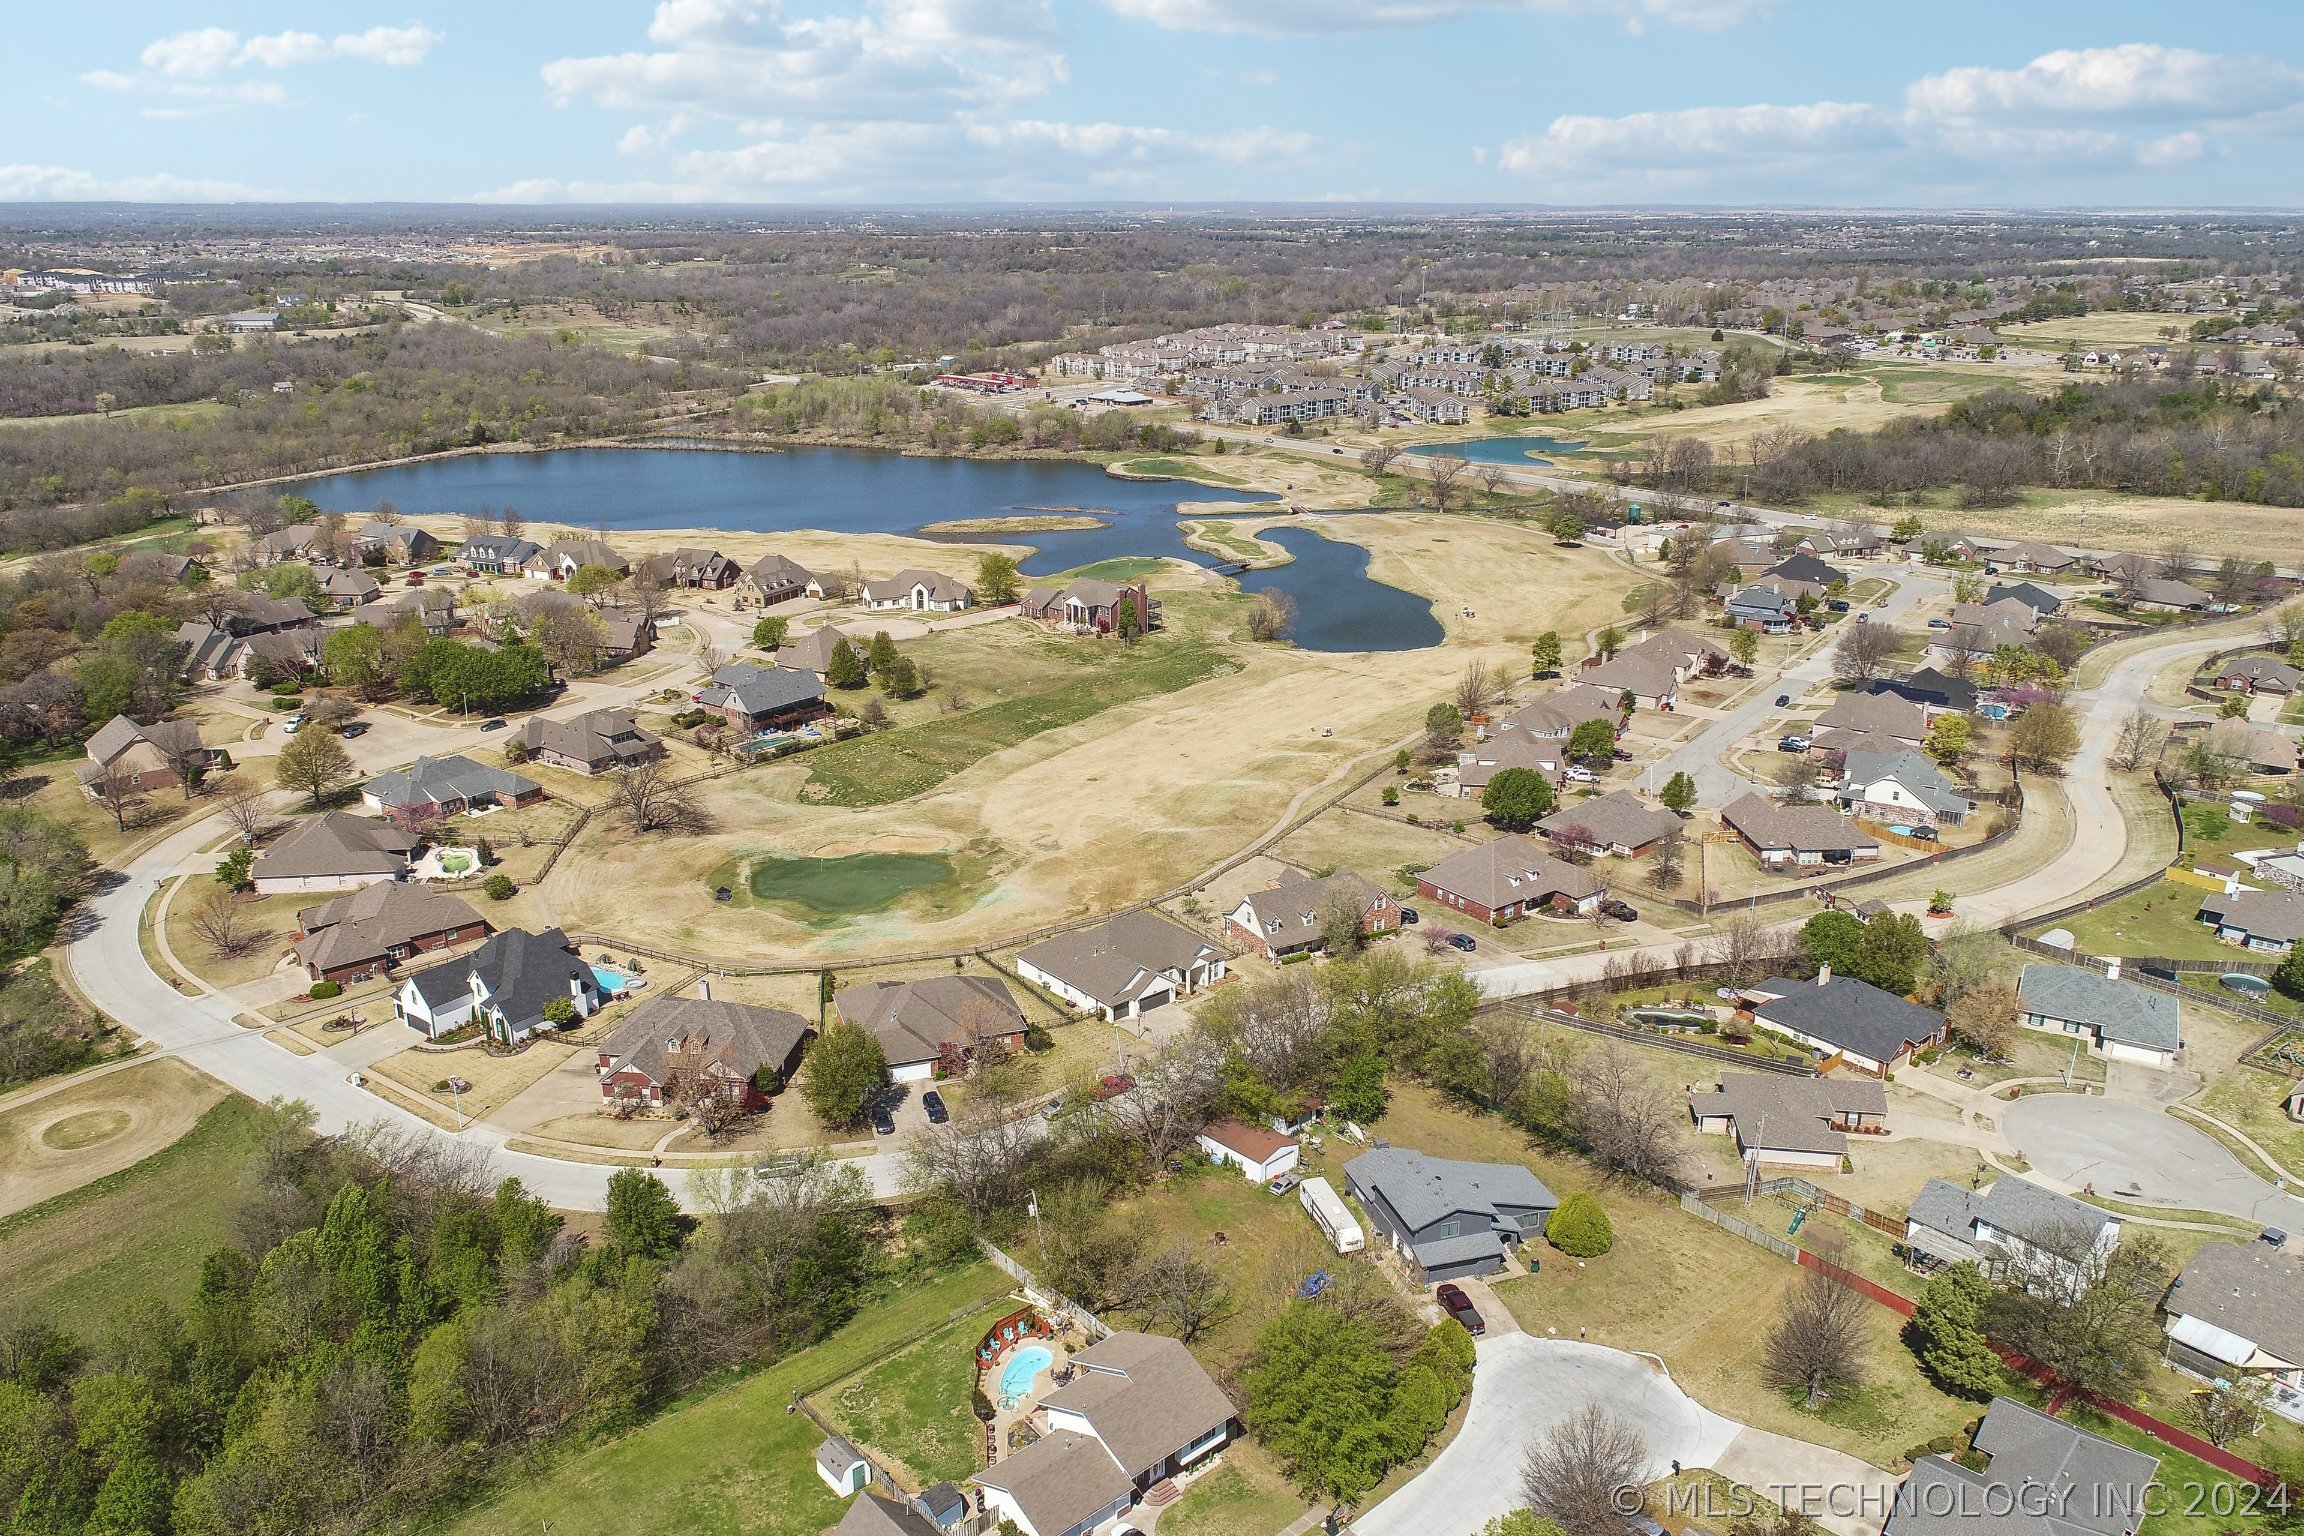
(933, 1102)
(1794, 744)
(1409, 915)
(353, 728)
(1837, 604)
(1052, 1108)
(293, 723)
(1463, 941)
(1580, 774)
(883, 1122)
(1283, 1183)
(1622, 911)
(1939, 623)
(496, 724)
(1783, 699)
(1459, 1306)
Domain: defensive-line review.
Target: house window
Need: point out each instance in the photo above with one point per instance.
(1452, 1227)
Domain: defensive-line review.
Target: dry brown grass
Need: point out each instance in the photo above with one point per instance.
(67, 1138)
(495, 1079)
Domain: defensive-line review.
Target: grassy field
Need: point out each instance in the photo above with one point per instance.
(1246, 1496)
(2116, 328)
(136, 1235)
(272, 919)
(733, 1462)
(911, 760)
(2159, 920)
(913, 1406)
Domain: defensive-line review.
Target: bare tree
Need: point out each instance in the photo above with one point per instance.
(715, 1100)
(1865, 651)
(1174, 1095)
(979, 1160)
(1667, 863)
(1491, 477)
(114, 787)
(1377, 457)
(1509, 1056)
(1817, 1344)
(648, 794)
(1581, 1471)
(1628, 1120)
(1749, 949)
(1966, 645)
(710, 657)
(1272, 615)
(178, 743)
(224, 926)
(1985, 1017)
(1180, 1292)
(243, 803)
(2140, 738)
(1480, 686)
(644, 594)
(1445, 470)
(2231, 1410)
(2178, 555)
(2284, 627)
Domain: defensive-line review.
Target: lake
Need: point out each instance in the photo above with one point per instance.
(1503, 450)
(853, 490)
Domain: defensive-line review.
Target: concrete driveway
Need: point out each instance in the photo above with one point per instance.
(2136, 1151)
(1522, 1387)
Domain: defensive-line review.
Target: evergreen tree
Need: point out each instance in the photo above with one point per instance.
(1580, 1228)
(845, 669)
(1946, 1333)
(643, 1218)
(882, 653)
(1679, 793)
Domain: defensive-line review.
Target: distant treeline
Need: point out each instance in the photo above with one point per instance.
(883, 408)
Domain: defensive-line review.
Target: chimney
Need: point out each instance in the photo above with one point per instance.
(704, 988)
(2111, 967)
(1824, 974)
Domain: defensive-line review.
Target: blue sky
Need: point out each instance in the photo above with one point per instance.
(1841, 102)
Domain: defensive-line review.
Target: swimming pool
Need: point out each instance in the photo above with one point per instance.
(1028, 1362)
(612, 980)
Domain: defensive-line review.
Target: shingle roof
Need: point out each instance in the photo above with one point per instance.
(1511, 869)
(1881, 713)
(770, 571)
(1800, 828)
(2263, 670)
(523, 971)
(2120, 1010)
(1539, 754)
(1619, 818)
(941, 588)
(1289, 912)
(2038, 1215)
(1762, 600)
(1116, 960)
(1257, 1143)
(871, 1515)
(596, 737)
(1421, 1190)
(364, 924)
(1145, 1396)
(1061, 1479)
(2247, 1289)
(1918, 777)
(1557, 714)
(739, 1036)
(914, 1020)
(761, 690)
(814, 649)
(1791, 1113)
(1651, 674)
(2274, 915)
(336, 844)
(1853, 1015)
(435, 780)
(1806, 567)
(2045, 1479)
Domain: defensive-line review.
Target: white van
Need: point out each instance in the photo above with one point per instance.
(1327, 1208)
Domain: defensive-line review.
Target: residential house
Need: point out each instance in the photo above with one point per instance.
(674, 1048)
(2164, 595)
(334, 852)
(872, 1515)
(1286, 919)
(1259, 1152)
(1088, 606)
(2267, 921)
(1508, 877)
(1764, 609)
(1853, 1023)
(497, 554)
(1433, 407)
(283, 653)
(2042, 1477)
(1901, 788)
(2120, 1020)
(349, 588)
(2031, 556)
(917, 590)
(2259, 747)
(1619, 822)
(1476, 765)
(2236, 1313)
(253, 613)
(1934, 691)
(159, 565)
(597, 741)
(2032, 595)
(2007, 620)
(935, 1023)
(1807, 568)
(449, 786)
(402, 543)
(1137, 1411)
(1653, 680)
(755, 698)
(2017, 1232)
(688, 566)
(505, 986)
(776, 579)
(434, 609)
(1799, 1122)
(1447, 1218)
(366, 933)
(2258, 674)
(814, 649)
(1555, 716)
(297, 541)
(1880, 714)
(1125, 966)
(624, 636)
(1796, 836)
(147, 756)
(558, 562)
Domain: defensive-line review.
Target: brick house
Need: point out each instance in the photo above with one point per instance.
(1285, 919)
(657, 1054)
(1506, 878)
(366, 933)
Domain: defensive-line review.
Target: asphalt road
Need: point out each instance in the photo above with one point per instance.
(2142, 1153)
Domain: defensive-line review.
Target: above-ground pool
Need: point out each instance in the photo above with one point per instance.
(1016, 1376)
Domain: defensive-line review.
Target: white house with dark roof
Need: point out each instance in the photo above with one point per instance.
(1902, 788)
(505, 985)
(1801, 1122)
(921, 591)
(1125, 966)
(2120, 1020)
(1259, 1152)
(2017, 1232)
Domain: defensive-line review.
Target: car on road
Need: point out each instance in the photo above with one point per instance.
(1459, 1306)
(933, 1102)
(1622, 911)
(1794, 744)
(496, 724)
(294, 723)
(352, 728)
(883, 1122)
(1463, 941)
(1335, 450)
(1783, 699)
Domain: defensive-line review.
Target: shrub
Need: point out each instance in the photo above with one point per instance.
(284, 705)
(1297, 958)
(1391, 794)
(327, 988)
(1579, 1228)
(287, 690)
(560, 1012)
(1037, 1038)
(499, 887)
(979, 1404)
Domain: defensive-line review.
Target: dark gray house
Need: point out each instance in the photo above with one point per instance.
(2120, 1020)
(2043, 1478)
(1449, 1218)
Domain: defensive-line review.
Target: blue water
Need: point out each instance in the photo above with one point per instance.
(1028, 1362)
(1504, 450)
(848, 490)
(610, 980)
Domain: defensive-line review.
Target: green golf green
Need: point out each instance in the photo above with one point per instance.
(856, 882)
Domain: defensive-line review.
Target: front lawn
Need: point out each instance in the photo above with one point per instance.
(1246, 1496)
(733, 1462)
(2160, 920)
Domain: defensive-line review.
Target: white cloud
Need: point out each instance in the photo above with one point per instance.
(399, 47)
(1292, 17)
(60, 184)
(2072, 112)
(188, 73)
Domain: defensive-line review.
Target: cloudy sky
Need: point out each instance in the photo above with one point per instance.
(1843, 102)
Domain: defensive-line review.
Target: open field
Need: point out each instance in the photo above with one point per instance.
(68, 1137)
(2116, 328)
(1137, 797)
(732, 1462)
(2088, 519)
(138, 1234)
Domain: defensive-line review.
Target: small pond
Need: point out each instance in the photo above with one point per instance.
(852, 883)
(1381, 618)
(1503, 450)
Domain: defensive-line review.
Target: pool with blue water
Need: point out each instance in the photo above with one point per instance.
(1017, 1375)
